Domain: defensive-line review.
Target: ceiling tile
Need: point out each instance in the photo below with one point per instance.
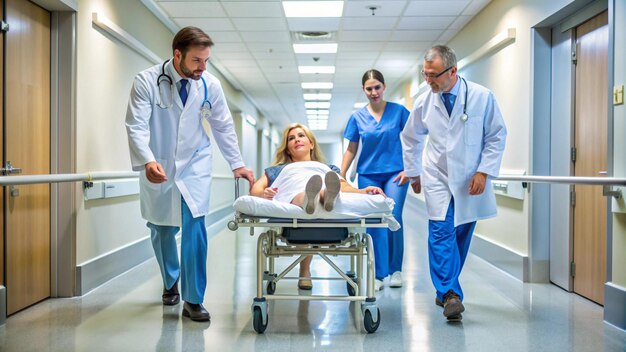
(224, 37)
(367, 23)
(475, 6)
(192, 9)
(435, 8)
(362, 8)
(209, 25)
(364, 36)
(268, 37)
(421, 22)
(229, 48)
(360, 47)
(314, 24)
(260, 24)
(253, 9)
(410, 36)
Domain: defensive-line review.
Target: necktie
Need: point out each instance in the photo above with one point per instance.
(183, 91)
(448, 101)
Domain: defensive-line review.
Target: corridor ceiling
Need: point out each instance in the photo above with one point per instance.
(253, 47)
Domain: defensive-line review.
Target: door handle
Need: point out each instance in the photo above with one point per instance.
(8, 169)
(607, 191)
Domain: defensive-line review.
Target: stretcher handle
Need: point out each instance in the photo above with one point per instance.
(236, 187)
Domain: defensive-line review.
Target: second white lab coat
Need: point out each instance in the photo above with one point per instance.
(455, 151)
(175, 138)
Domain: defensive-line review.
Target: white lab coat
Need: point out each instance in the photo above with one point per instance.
(455, 151)
(175, 138)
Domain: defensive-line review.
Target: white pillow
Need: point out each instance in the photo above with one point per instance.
(347, 206)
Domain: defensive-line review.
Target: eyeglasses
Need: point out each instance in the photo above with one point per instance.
(437, 75)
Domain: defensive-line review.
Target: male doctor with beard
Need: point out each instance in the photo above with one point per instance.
(170, 147)
(464, 150)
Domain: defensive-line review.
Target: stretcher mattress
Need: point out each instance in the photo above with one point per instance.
(347, 206)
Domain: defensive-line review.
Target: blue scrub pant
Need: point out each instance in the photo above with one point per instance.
(447, 249)
(193, 253)
(388, 245)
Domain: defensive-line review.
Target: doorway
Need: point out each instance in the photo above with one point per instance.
(590, 157)
(26, 145)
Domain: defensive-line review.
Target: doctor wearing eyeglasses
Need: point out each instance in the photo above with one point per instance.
(169, 146)
(466, 139)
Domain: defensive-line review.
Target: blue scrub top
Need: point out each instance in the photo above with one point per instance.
(381, 149)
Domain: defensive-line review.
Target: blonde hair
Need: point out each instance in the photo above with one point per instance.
(282, 153)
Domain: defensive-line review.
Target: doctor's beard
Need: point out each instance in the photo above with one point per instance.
(195, 75)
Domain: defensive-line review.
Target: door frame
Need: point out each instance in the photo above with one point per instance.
(542, 206)
(63, 196)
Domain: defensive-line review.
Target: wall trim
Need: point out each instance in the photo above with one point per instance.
(502, 258)
(615, 305)
(95, 272)
(3, 305)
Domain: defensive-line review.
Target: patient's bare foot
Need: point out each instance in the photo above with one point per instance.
(312, 193)
(333, 186)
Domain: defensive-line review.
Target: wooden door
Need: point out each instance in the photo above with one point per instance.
(27, 146)
(2, 238)
(590, 138)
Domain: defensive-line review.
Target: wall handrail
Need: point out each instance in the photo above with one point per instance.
(609, 181)
(58, 178)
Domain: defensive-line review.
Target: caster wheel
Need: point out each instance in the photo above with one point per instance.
(271, 287)
(370, 325)
(257, 321)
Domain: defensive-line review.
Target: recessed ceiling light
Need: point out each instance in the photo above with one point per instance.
(317, 85)
(313, 8)
(317, 117)
(317, 112)
(316, 69)
(317, 105)
(317, 96)
(327, 48)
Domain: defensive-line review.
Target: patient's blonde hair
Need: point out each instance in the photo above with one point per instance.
(282, 154)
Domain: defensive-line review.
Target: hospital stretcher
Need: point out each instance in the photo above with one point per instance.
(293, 237)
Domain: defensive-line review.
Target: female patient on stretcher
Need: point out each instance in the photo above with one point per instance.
(299, 176)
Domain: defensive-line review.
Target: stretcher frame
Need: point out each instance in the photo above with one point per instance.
(271, 244)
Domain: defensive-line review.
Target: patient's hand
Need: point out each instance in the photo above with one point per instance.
(373, 190)
(269, 193)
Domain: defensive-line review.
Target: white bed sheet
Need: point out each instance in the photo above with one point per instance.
(347, 206)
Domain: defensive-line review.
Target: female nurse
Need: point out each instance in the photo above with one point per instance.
(377, 126)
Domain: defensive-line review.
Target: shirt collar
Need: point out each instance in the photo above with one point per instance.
(172, 71)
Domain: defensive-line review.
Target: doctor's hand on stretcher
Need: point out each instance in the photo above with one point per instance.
(245, 173)
(155, 173)
(372, 190)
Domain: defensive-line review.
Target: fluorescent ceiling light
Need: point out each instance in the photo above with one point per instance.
(329, 48)
(313, 8)
(317, 112)
(251, 120)
(317, 85)
(317, 117)
(316, 69)
(359, 105)
(317, 96)
(317, 105)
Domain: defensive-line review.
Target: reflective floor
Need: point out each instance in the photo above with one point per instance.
(502, 314)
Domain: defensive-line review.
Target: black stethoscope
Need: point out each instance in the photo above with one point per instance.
(206, 110)
(464, 117)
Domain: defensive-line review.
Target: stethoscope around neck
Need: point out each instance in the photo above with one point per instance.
(206, 107)
(464, 117)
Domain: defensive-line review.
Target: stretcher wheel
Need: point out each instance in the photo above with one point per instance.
(351, 290)
(370, 325)
(257, 320)
(232, 225)
(271, 287)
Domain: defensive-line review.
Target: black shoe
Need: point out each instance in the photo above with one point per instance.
(195, 312)
(171, 297)
(452, 306)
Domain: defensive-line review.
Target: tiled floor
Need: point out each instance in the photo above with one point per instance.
(502, 314)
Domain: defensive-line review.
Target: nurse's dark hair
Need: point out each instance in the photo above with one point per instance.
(445, 53)
(189, 37)
(375, 74)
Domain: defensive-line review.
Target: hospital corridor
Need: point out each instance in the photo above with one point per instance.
(300, 175)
